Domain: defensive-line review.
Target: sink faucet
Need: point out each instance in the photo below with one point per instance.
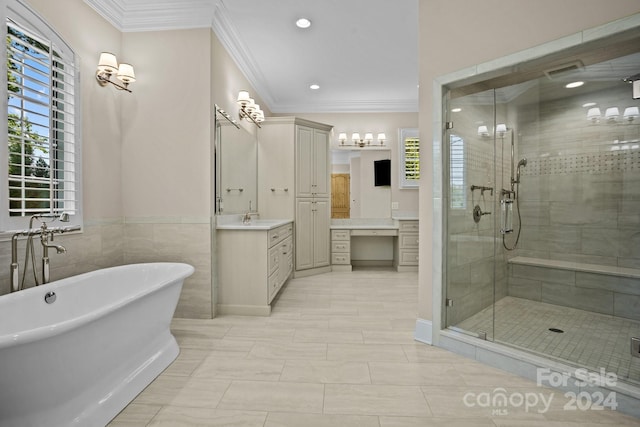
(246, 218)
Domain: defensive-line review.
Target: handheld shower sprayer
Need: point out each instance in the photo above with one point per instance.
(516, 180)
(521, 163)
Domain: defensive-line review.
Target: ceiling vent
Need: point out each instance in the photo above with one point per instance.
(561, 70)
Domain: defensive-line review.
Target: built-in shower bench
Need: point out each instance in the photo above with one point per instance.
(601, 288)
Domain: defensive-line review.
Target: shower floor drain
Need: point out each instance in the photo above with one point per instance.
(556, 330)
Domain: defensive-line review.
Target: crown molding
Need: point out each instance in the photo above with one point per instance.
(228, 37)
(113, 11)
(155, 15)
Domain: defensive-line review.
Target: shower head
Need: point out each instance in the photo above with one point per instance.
(522, 162)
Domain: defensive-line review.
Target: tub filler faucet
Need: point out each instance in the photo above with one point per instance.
(46, 239)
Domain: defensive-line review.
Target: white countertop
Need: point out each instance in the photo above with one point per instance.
(234, 222)
(364, 224)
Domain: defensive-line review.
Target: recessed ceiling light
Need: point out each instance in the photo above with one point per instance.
(303, 23)
(314, 87)
(589, 104)
(573, 84)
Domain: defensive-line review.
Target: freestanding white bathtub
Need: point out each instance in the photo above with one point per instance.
(78, 360)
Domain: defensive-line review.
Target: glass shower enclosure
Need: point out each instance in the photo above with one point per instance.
(542, 209)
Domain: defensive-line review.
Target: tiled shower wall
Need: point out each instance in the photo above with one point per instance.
(112, 242)
(580, 191)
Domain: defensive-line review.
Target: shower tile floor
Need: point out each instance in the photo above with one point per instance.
(337, 351)
(589, 339)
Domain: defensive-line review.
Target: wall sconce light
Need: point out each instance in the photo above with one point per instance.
(631, 113)
(249, 109)
(501, 129)
(108, 65)
(357, 141)
(612, 114)
(593, 114)
(483, 131)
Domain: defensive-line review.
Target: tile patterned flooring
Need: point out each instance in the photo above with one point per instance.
(338, 350)
(589, 339)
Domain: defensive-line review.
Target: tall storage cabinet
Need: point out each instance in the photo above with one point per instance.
(295, 181)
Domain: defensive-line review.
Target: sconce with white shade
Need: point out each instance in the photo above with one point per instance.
(483, 131)
(501, 129)
(108, 66)
(593, 114)
(631, 113)
(249, 109)
(612, 114)
(357, 141)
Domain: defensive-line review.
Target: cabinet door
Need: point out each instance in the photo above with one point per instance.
(321, 233)
(321, 164)
(304, 234)
(305, 187)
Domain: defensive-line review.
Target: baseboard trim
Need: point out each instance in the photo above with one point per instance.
(424, 331)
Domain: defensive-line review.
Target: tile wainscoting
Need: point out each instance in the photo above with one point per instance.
(115, 241)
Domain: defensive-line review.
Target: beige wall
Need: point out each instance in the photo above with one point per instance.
(450, 40)
(166, 130)
(101, 132)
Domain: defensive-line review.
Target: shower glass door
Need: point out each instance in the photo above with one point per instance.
(471, 197)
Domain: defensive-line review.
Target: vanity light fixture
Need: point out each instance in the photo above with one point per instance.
(108, 66)
(249, 109)
(483, 131)
(593, 114)
(631, 113)
(357, 141)
(611, 114)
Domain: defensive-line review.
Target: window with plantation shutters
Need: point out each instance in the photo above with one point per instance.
(43, 150)
(457, 175)
(409, 158)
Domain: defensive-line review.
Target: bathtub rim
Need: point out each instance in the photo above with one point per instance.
(42, 332)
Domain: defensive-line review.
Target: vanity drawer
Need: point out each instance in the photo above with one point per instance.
(374, 232)
(341, 246)
(408, 257)
(341, 258)
(274, 284)
(340, 234)
(408, 240)
(409, 226)
(274, 257)
(279, 234)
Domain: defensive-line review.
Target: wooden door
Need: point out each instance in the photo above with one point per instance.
(340, 196)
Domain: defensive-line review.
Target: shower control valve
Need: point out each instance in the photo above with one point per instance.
(478, 214)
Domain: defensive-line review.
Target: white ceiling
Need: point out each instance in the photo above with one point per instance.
(362, 53)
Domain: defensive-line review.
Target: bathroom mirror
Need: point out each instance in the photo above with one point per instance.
(236, 166)
(353, 186)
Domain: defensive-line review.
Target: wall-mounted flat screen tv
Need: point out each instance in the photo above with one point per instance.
(382, 172)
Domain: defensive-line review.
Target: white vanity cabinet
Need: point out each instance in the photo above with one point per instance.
(312, 232)
(294, 172)
(313, 177)
(254, 262)
(341, 249)
(406, 247)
